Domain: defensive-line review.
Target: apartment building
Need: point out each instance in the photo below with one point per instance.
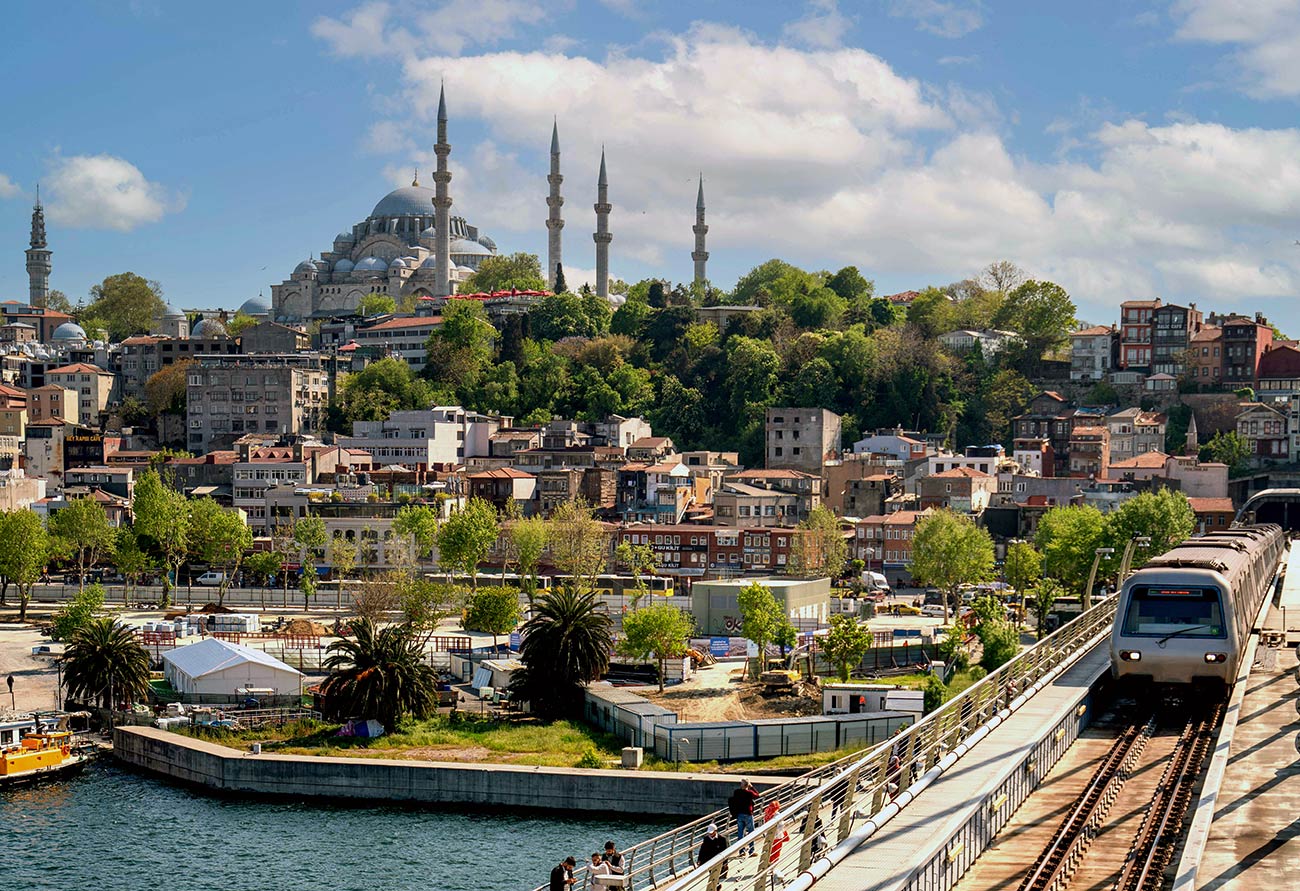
(1265, 428)
(961, 489)
(230, 396)
(1206, 352)
(1137, 318)
(93, 386)
(715, 551)
(1172, 329)
(1089, 451)
(143, 356)
(801, 438)
(1134, 431)
(402, 337)
(885, 541)
(1245, 341)
(1278, 375)
(422, 438)
(1092, 353)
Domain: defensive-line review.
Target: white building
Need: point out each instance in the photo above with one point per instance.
(965, 340)
(220, 668)
(1090, 353)
(445, 434)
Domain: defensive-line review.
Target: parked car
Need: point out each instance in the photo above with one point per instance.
(210, 579)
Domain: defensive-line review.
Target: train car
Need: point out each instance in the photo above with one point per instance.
(1184, 617)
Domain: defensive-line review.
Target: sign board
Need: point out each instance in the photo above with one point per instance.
(515, 640)
(719, 646)
(907, 632)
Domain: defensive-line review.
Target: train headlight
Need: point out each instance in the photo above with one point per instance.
(1213, 658)
(1131, 655)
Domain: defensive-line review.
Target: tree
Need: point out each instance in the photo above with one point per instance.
(460, 349)
(381, 388)
(219, 537)
(494, 610)
(24, 551)
(660, 630)
(948, 551)
(639, 559)
(466, 538)
(819, 546)
(266, 565)
(846, 643)
(528, 537)
(379, 674)
(1002, 277)
(84, 525)
(566, 645)
(307, 585)
(419, 523)
(425, 602)
(167, 389)
(375, 304)
(78, 612)
(850, 284)
(1001, 641)
(104, 664)
(240, 322)
(932, 313)
(162, 517)
(130, 559)
(761, 618)
(519, 271)
(126, 304)
(578, 545)
(310, 537)
(343, 561)
(58, 301)
(1022, 566)
(1041, 313)
(1068, 538)
(1043, 598)
(1165, 518)
(1228, 447)
(560, 284)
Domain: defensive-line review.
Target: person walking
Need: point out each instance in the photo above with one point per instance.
(562, 875)
(713, 844)
(741, 806)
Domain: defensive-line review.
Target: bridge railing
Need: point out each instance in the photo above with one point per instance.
(820, 809)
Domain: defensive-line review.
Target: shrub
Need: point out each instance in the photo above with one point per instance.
(80, 610)
(590, 759)
(977, 673)
(935, 692)
(952, 650)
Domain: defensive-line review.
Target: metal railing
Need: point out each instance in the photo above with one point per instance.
(818, 811)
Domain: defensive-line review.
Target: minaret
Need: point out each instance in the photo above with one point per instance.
(442, 206)
(700, 255)
(38, 257)
(554, 222)
(601, 235)
(1193, 445)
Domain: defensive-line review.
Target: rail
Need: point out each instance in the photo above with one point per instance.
(818, 817)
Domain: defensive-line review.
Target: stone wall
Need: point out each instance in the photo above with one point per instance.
(487, 786)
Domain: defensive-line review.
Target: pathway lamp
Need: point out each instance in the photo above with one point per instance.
(1127, 563)
(1092, 576)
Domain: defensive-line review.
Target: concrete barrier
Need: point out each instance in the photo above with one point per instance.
(472, 786)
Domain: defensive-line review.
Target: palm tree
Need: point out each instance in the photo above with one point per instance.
(380, 674)
(566, 645)
(103, 660)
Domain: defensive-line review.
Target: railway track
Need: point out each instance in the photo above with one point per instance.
(1139, 859)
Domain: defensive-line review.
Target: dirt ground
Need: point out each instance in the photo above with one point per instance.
(719, 693)
(35, 679)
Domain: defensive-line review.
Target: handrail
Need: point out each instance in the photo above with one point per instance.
(819, 808)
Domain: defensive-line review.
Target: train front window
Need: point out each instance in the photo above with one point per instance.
(1186, 612)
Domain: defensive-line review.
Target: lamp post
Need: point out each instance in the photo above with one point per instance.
(1127, 562)
(1092, 576)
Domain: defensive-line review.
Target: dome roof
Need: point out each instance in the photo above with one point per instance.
(346, 237)
(431, 232)
(430, 263)
(408, 201)
(171, 313)
(371, 264)
(399, 263)
(208, 328)
(487, 243)
(465, 269)
(465, 246)
(305, 266)
(342, 266)
(69, 331)
(255, 306)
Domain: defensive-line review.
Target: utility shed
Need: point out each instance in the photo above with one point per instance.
(219, 668)
(715, 603)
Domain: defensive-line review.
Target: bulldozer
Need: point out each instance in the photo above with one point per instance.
(779, 680)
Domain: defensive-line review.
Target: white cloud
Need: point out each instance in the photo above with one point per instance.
(822, 26)
(105, 192)
(380, 28)
(943, 18)
(8, 188)
(1266, 34)
(560, 43)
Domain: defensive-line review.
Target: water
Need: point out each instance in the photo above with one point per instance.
(109, 828)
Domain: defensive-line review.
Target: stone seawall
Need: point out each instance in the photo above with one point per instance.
(487, 786)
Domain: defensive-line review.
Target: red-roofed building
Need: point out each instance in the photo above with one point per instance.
(92, 384)
(1145, 466)
(1212, 514)
(1089, 451)
(502, 487)
(1136, 319)
(1279, 374)
(1265, 428)
(885, 540)
(961, 489)
(1092, 353)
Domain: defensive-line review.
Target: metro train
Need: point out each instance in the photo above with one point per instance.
(1185, 616)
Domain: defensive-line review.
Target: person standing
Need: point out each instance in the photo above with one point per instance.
(711, 846)
(562, 876)
(741, 805)
(596, 870)
(613, 858)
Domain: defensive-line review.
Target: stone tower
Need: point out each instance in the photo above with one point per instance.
(601, 236)
(700, 255)
(554, 222)
(38, 257)
(442, 206)
(1193, 445)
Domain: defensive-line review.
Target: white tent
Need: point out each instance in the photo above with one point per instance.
(219, 667)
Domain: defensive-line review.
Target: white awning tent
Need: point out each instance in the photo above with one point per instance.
(219, 667)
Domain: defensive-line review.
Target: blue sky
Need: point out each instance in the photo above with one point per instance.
(1123, 149)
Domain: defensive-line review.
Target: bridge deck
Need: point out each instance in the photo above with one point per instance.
(887, 861)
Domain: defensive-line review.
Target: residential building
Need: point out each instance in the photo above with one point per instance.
(1092, 353)
(1172, 329)
(1197, 479)
(990, 342)
(211, 474)
(119, 481)
(422, 438)
(1134, 431)
(402, 337)
(18, 491)
(45, 321)
(1050, 416)
(92, 384)
(503, 488)
(144, 355)
(1206, 350)
(229, 396)
(272, 337)
(53, 401)
(1034, 455)
(885, 541)
(1161, 383)
(1265, 428)
(13, 413)
(17, 333)
(43, 449)
(1245, 341)
(260, 469)
(651, 448)
(1212, 514)
(653, 493)
(962, 489)
(1089, 451)
(1136, 318)
(713, 466)
(1278, 374)
(984, 459)
(801, 438)
(892, 443)
(1141, 467)
(856, 485)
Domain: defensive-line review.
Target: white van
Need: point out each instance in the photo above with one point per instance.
(933, 610)
(210, 579)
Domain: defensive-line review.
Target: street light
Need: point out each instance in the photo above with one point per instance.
(1092, 577)
(1127, 562)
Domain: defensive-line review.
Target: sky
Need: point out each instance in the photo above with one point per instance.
(1123, 149)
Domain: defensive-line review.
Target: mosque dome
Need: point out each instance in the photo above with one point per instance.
(399, 263)
(408, 201)
(171, 313)
(471, 248)
(430, 233)
(208, 328)
(431, 263)
(255, 306)
(68, 331)
(305, 266)
(371, 264)
(487, 243)
(465, 269)
(342, 267)
(345, 238)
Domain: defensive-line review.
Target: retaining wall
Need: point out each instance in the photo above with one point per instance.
(472, 786)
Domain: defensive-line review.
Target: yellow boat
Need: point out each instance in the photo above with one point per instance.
(40, 756)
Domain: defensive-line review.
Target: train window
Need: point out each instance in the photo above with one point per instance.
(1186, 612)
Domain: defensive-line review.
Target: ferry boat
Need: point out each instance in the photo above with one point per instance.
(41, 756)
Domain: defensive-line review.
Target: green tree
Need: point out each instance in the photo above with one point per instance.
(78, 612)
(129, 557)
(162, 518)
(948, 551)
(24, 552)
(659, 630)
(307, 585)
(1068, 538)
(239, 323)
(1165, 518)
(850, 284)
(1228, 447)
(167, 389)
(566, 645)
(1022, 566)
(1008, 394)
(519, 271)
(1042, 599)
(126, 304)
(58, 301)
(819, 545)
(494, 610)
(932, 313)
(638, 559)
(1042, 313)
(761, 617)
(343, 562)
(310, 537)
(846, 643)
(817, 309)
(220, 538)
(466, 538)
(84, 525)
(772, 283)
(579, 545)
(375, 304)
(1001, 642)
(103, 664)
(528, 537)
(419, 523)
(460, 350)
(379, 674)
(382, 388)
